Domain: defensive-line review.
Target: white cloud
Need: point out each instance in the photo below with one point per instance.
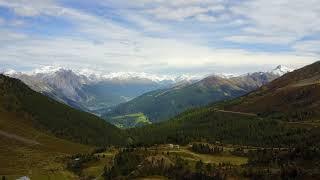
(103, 43)
(269, 20)
(146, 24)
(270, 39)
(8, 37)
(31, 8)
(166, 3)
(2, 21)
(181, 13)
(148, 54)
(205, 18)
(180, 3)
(174, 10)
(84, 22)
(311, 47)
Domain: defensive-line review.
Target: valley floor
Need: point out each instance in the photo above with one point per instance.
(169, 161)
(105, 160)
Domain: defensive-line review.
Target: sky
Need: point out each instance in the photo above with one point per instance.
(159, 36)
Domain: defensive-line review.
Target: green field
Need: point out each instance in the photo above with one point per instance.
(130, 120)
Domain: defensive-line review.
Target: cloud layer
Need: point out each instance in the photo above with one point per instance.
(160, 36)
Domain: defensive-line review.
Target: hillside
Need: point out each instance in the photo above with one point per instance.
(210, 125)
(292, 97)
(53, 117)
(163, 104)
(25, 150)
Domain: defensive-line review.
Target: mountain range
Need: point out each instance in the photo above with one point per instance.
(117, 95)
(91, 91)
(163, 104)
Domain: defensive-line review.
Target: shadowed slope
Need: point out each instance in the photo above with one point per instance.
(293, 97)
(54, 117)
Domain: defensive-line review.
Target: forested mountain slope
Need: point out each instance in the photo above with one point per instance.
(210, 125)
(292, 97)
(53, 117)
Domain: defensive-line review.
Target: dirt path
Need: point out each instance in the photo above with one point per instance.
(210, 158)
(18, 138)
(235, 112)
(311, 124)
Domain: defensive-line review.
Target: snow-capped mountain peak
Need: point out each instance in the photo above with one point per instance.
(45, 70)
(9, 72)
(136, 75)
(281, 70)
(96, 76)
(89, 75)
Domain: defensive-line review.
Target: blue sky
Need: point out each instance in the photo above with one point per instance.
(159, 36)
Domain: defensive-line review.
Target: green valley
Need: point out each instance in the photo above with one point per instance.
(163, 104)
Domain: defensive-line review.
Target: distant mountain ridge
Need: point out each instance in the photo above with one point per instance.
(88, 91)
(160, 105)
(93, 75)
(96, 92)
